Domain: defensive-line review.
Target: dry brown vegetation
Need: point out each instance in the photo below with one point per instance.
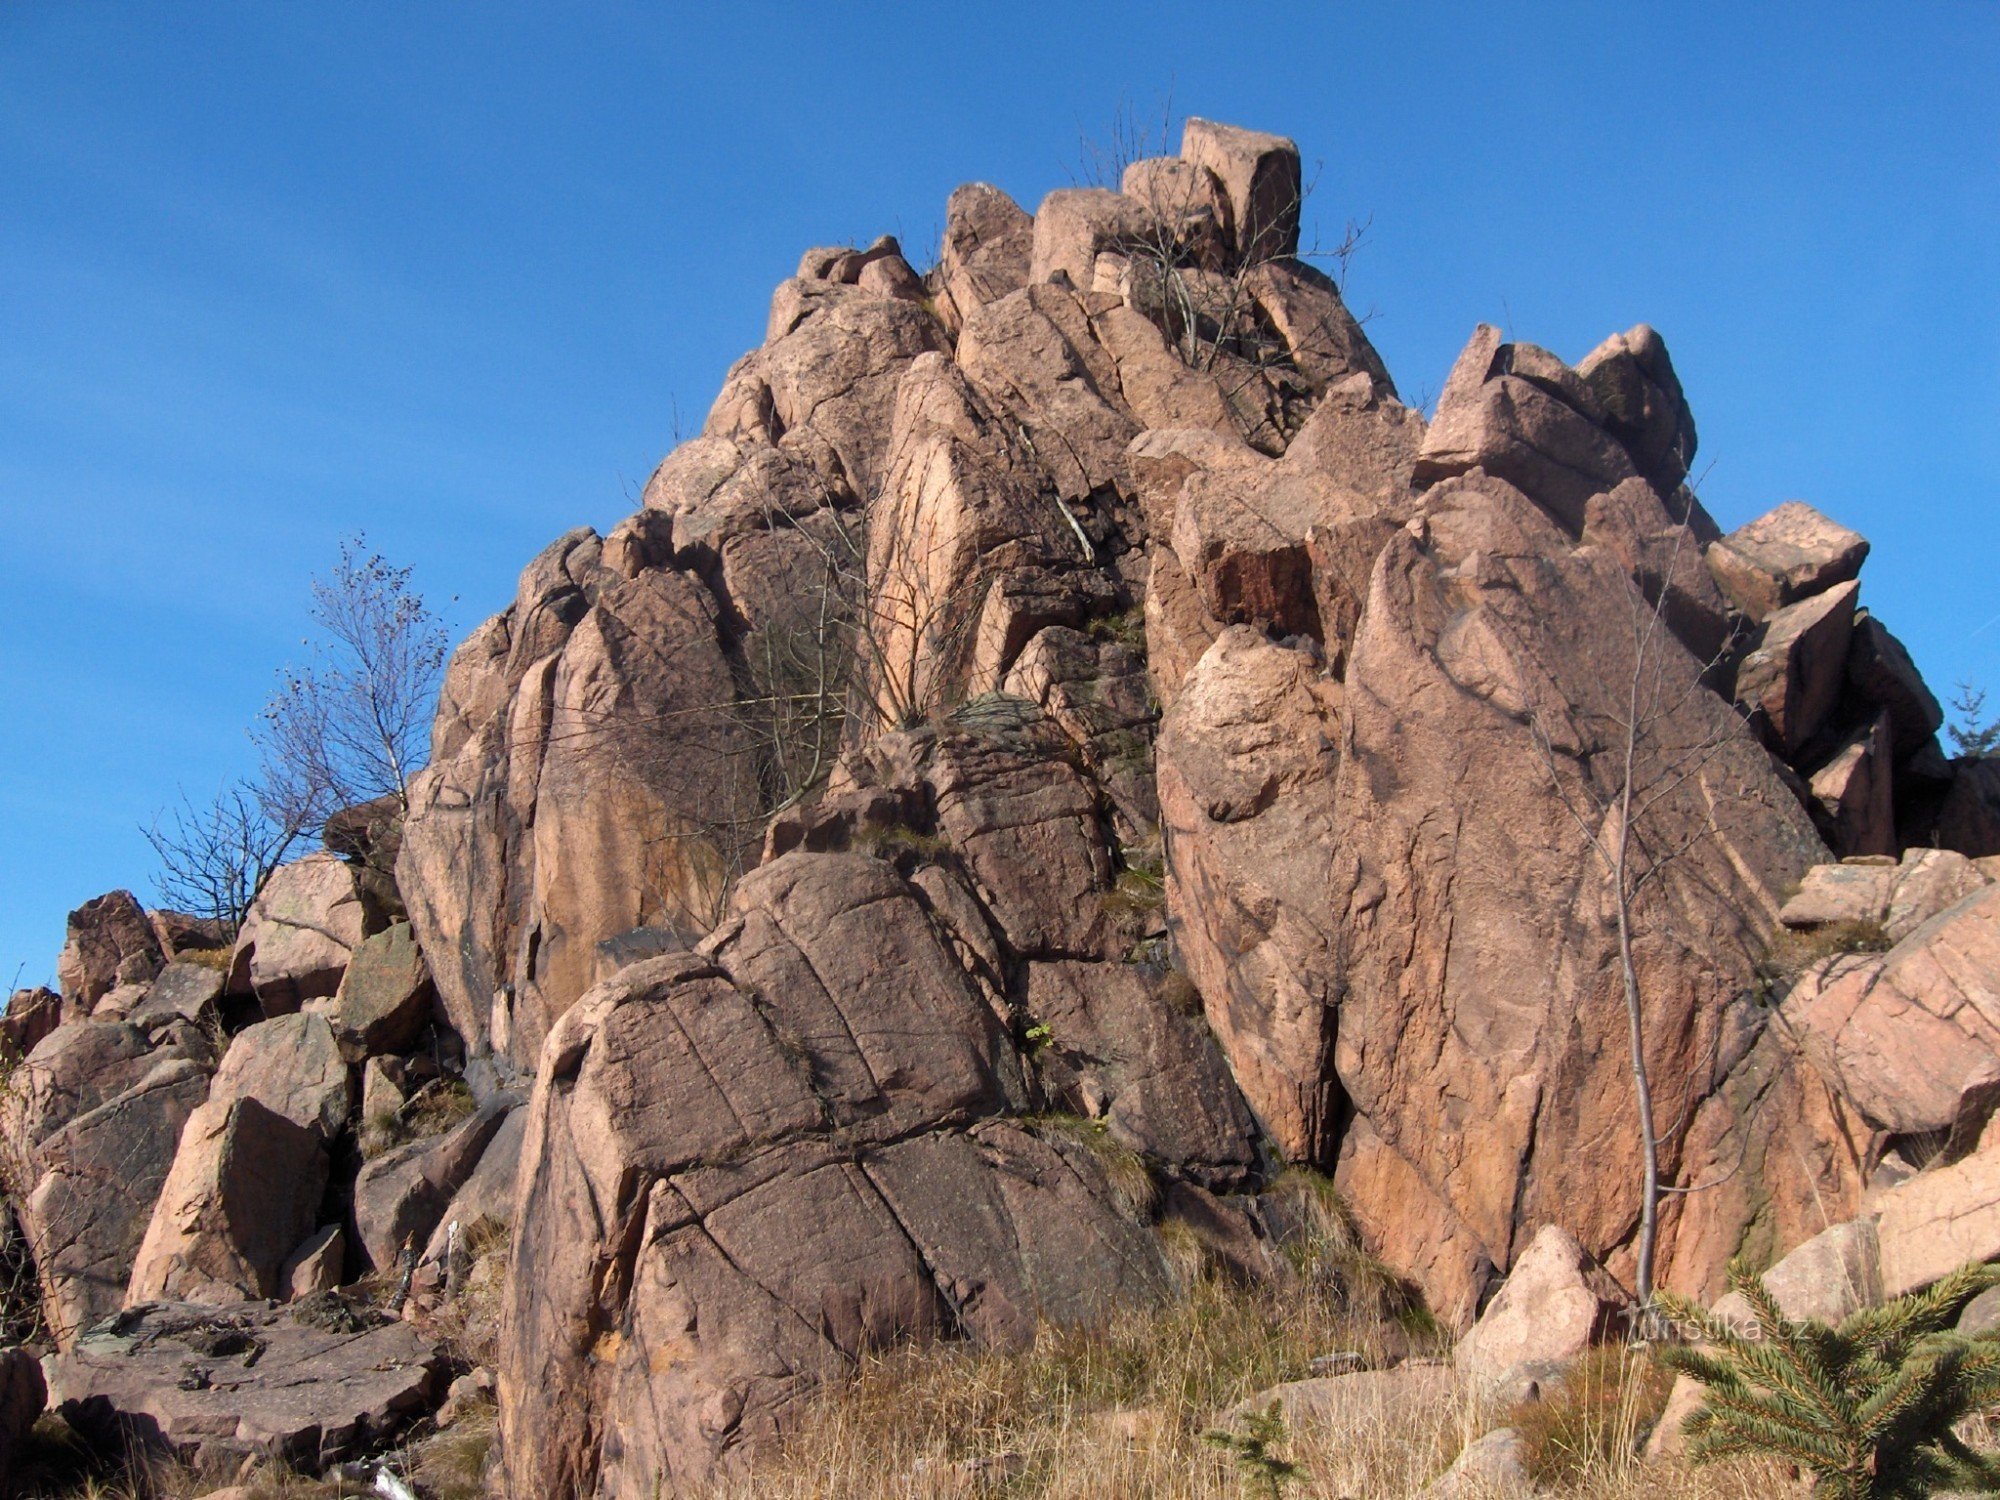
(1120, 1409)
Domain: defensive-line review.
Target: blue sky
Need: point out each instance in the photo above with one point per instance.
(453, 273)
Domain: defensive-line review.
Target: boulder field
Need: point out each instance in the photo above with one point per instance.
(1064, 742)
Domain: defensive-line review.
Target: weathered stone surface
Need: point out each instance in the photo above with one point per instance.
(291, 1065)
(485, 1201)
(1260, 182)
(1633, 381)
(87, 1214)
(184, 994)
(1898, 897)
(1785, 555)
(1831, 1276)
(1179, 627)
(110, 942)
(316, 1264)
(30, 1015)
(1074, 226)
(1025, 823)
(1246, 760)
(822, 387)
(1939, 1219)
(1515, 430)
(988, 242)
(400, 1196)
(22, 1396)
(1664, 558)
(1434, 891)
(1912, 1036)
(1791, 679)
(1879, 671)
(302, 929)
(583, 757)
(1555, 1303)
(218, 1384)
(1118, 1051)
(385, 997)
(1853, 793)
(244, 1191)
(815, 1183)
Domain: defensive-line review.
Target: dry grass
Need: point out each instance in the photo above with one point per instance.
(1120, 1408)
(1595, 1416)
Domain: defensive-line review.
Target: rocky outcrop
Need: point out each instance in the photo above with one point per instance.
(89, 1125)
(109, 943)
(828, 1170)
(1062, 743)
(299, 935)
(217, 1385)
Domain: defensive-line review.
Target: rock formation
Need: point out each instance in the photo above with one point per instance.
(1063, 742)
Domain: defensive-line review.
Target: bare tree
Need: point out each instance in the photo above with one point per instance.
(1652, 762)
(214, 858)
(354, 723)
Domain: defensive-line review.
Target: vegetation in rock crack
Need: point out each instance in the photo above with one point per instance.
(1867, 1408)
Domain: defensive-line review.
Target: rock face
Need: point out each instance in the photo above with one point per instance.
(303, 927)
(828, 1172)
(89, 1125)
(1786, 555)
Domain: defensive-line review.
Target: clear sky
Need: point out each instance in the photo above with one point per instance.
(454, 273)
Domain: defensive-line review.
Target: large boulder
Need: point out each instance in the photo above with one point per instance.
(824, 1172)
(1911, 1037)
(1554, 1305)
(109, 943)
(1260, 182)
(384, 1000)
(301, 930)
(1784, 556)
(244, 1191)
(1936, 1221)
(988, 241)
(1791, 679)
(292, 1066)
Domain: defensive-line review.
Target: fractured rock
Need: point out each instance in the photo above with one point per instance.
(244, 1191)
(109, 943)
(401, 1195)
(1785, 555)
(217, 1384)
(1791, 679)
